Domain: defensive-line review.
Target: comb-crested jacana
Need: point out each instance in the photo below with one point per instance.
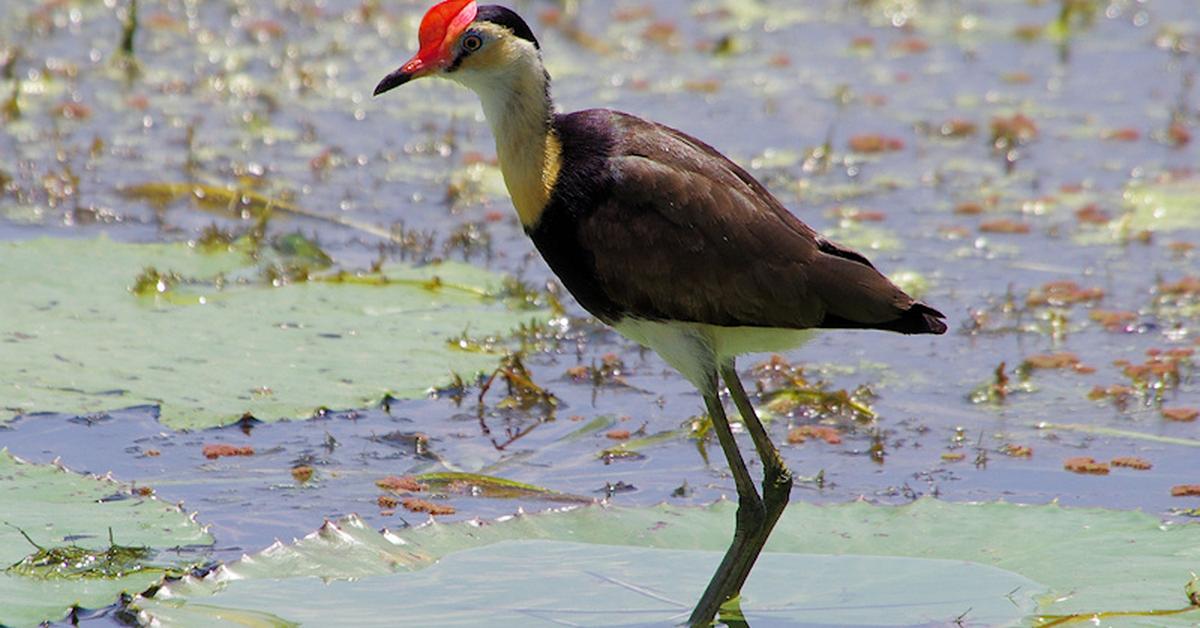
(665, 239)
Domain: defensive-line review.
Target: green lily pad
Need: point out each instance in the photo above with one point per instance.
(604, 585)
(849, 564)
(1164, 206)
(866, 237)
(209, 349)
(70, 517)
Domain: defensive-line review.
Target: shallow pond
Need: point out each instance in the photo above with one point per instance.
(1029, 170)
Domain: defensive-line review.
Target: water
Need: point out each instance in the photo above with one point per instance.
(276, 96)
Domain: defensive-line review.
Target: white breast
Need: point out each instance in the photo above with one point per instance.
(695, 349)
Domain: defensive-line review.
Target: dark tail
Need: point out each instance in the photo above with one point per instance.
(918, 319)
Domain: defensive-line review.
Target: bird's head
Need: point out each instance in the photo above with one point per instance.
(478, 46)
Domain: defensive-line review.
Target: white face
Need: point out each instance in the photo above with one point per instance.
(490, 59)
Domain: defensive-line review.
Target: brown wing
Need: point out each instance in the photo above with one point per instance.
(688, 235)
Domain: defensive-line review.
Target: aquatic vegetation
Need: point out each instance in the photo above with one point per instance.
(212, 452)
(1152, 379)
(803, 433)
(998, 390)
(875, 144)
(152, 281)
(74, 563)
(984, 166)
(303, 474)
(488, 487)
(1063, 294)
(406, 484)
(1138, 569)
(523, 393)
(1086, 465)
(1005, 225)
(412, 504)
(1132, 462)
(609, 372)
(92, 539)
(786, 390)
(1017, 451)
(180, 293)
(1181, 415)
(957, 128)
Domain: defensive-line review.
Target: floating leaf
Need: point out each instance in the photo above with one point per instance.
(1086, 465)
(492, 487)
(236, 202)
(1163, 207)
(1119, 433)
(70, 517)
(207, 353)
(929, 561)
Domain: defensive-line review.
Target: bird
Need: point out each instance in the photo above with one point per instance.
(666, 240)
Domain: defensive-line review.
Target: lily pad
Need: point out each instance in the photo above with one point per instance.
(209, 349)
(606, 585)
(1164, 206)
(846, 564)
(71, 517)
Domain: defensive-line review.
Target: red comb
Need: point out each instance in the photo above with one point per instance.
(443, 24)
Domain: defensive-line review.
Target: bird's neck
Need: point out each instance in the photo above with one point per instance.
(518, 107)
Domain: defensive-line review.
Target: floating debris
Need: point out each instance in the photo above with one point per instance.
(302, 474)
(1086, 466)
(786, 389)
(406, 484)
(1132, 462)
(874, 143)
(1017, 451)
(1119, 321)
(523, 393)
(1006, 225)
(212, 452)
(610, 372)
(413, 504)
(478, 485)
(1181, 415)
(72, 562)
(803, 433)
(958, 128)
(1063, 294)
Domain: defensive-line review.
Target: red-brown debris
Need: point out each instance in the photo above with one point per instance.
(212, 452)
(1086, 465)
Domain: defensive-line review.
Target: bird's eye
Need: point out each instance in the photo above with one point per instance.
(471, 43)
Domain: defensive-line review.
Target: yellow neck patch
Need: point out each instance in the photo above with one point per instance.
(511, 82)
(531, 175)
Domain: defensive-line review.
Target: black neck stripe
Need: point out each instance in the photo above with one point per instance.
(508, 19)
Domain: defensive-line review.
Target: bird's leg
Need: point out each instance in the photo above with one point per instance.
(751, 516)
(777, 479)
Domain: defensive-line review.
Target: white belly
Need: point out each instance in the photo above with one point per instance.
(695, 349)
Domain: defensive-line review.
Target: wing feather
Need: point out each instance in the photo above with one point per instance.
(686, 234)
